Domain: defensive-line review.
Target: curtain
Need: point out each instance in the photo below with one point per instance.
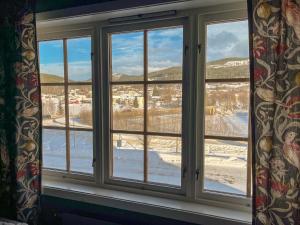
(275, 82)
(20, 114)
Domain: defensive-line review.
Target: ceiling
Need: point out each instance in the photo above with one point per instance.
(49, 5)
(83, 11)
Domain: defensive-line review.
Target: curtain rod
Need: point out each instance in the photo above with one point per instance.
(142, 16)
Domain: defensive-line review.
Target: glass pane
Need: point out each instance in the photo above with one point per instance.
(127, 56)
(164, 160)
(227, 50)
(53, 105)
(165, 50)
(128, 156)
(54, 149)
(227, 109)
(128, 107)
(80, 106)
(164, 108)
(81, 145)
(225, 167)
(79, 60)
(51, 56)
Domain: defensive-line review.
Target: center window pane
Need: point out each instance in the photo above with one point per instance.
(128, 107)
(127, 56)
(164, 108)
(146, 109)
(164, 156)
(128, 156)
(165, 48)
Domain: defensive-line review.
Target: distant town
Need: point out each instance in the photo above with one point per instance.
(226, 114)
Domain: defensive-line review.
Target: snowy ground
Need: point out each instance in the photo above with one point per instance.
(225, 165)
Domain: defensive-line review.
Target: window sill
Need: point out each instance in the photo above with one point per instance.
(168, 208)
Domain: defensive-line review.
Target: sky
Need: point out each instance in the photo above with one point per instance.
(165, 49)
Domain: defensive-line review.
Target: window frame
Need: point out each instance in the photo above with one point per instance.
(141, 26)
(64, 37)
(201, 193)
(194, 68)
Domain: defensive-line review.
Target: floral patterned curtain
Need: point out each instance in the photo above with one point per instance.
(275, 69)
(20, 114)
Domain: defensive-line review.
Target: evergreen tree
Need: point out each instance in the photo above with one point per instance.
(135, 102)
(155, 91)
(60, 108)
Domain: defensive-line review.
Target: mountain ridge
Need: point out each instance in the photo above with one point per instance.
(217, 69)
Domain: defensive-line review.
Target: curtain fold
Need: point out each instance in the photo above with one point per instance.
(275, 80)
(20, 112)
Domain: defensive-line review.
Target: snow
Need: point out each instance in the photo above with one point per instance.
(225, 161)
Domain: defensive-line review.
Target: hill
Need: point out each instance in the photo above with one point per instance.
(228, 68)
(50, 78)
(225, 60)
(218, 69)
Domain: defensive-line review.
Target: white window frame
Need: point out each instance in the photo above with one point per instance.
(202, 194)
(194, 67)
(64, 36)
(106, 96)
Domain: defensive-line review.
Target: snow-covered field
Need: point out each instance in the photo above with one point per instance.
(225, 161)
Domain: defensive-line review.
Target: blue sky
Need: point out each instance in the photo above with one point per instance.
(165, 49)
(79, 58)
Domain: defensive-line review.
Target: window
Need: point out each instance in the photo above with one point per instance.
(158, 113)
(145, 76)
(226, 164)
(67, 102)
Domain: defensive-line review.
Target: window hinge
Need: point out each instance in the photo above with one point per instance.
(199, 47)
(92, 55)
(186, 48)
(197, 174)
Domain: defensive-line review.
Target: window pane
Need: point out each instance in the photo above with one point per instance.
(165, 50)
(51, 56)
(127, 56)
(81, 145)
(164, 108)
(164, 160)
(227, 109)
(128, 106)
(79, 60)
(128, 156)
(53, 105)
(225, 166)
(227, 50)
(80, 106)
(54, 149)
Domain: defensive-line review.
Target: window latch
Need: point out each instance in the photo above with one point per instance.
(197, 174)
(183, 172)
(199, 47)
(186, 48)
(94, 163)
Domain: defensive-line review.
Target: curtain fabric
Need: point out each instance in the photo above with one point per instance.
(275, 69)
(20, 116)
